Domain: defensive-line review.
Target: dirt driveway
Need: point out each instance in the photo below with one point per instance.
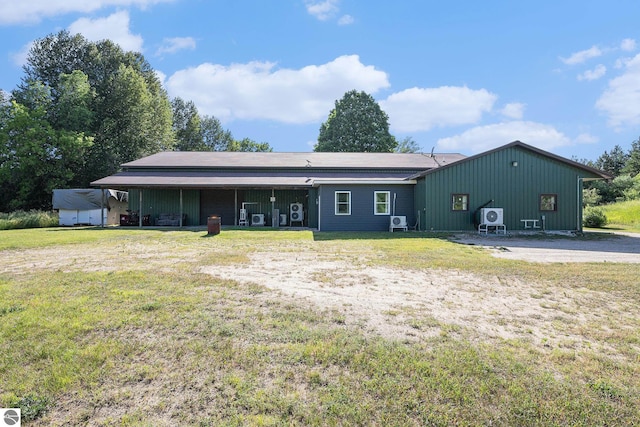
(596, 247)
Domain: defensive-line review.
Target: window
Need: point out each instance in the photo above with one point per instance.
(343, 202)
(459, 202)
(548, 202)
(381, 203)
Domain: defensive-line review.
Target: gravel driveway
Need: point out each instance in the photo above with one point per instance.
(592, 247)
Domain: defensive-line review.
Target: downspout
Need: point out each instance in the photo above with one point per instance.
(579, 207)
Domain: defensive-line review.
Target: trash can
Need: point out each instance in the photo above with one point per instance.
(213, 224)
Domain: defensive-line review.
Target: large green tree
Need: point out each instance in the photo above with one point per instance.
(35, 158)
(356, 124)
(612, 162)
(632, 165)
(103, 91)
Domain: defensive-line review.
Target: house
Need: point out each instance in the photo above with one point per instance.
(359, 191)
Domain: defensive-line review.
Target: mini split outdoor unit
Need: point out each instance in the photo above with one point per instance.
(397, 221)
(491, 216)
(257, 219)
(296, 213)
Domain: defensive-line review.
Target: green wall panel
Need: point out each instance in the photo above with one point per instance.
(155, 202)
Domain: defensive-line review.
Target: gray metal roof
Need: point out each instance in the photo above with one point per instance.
(225, 159)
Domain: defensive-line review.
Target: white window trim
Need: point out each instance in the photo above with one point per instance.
(336, 202)
(387, 203)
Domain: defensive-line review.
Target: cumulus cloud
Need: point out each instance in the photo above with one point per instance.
(322, 10)
(31, 11)
(421, 109)
(175, 44)
(114, 27)
(482, 138)
(620, 100)
(628, 45)
(514, 110)
(582, 56)
(599, 71)
(261, 91)
(345, 20)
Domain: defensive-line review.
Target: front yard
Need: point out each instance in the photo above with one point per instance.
(253, 327)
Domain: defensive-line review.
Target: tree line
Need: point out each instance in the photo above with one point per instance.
(624, 167)
(81, 110)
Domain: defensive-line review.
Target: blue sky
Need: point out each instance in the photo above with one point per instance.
(459, 76)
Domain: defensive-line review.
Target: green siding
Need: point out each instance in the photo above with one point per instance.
(284, 199)
(155, 202)
(516, 189)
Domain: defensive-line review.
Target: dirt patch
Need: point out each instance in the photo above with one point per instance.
(418, 304)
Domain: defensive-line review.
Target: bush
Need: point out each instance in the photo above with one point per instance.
(594, 217)
(31, 219)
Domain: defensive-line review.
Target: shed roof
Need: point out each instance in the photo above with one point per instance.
(315, 160)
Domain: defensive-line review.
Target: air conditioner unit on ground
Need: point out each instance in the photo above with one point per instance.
(257, 219)
(399, 222)
(491, 216)
(296, 214)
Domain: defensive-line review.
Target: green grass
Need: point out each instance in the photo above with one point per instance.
(140, 345)
(623, 215)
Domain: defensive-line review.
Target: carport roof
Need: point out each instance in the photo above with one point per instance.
(215, 179)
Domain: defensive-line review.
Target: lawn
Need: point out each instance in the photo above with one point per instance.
(141, 327)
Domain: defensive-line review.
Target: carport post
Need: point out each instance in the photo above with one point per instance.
(102, 208)
(181, 208)
(140, 209)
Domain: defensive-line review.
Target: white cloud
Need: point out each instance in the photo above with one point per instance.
(20, 58)
(420, 109)
(322, 10)
(261, 91)
(599, 71)
(582, 56)
(175, 44)
(115, 27)
(621, 98)
(628, 45)
(345, 20)
(514, 110)
(484, 138)
(586, 138)
(30, 11)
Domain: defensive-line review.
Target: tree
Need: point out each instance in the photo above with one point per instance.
(247, 144)
(612, 162)
(632, 166)
(356, 124)
(408, 145)
(214, 136)
(104, 92)
(35, 158)
(187, 126)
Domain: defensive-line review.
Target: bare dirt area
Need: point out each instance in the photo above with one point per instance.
(419, 304)
(393, 302)
(603, 247)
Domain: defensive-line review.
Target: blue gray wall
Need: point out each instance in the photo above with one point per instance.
(362, 216)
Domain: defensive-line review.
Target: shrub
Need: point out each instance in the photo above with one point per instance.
(594, 217)
(31, 219)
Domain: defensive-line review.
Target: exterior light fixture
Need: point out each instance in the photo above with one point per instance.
(514, 163)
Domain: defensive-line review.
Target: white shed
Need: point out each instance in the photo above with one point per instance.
(80, 206)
